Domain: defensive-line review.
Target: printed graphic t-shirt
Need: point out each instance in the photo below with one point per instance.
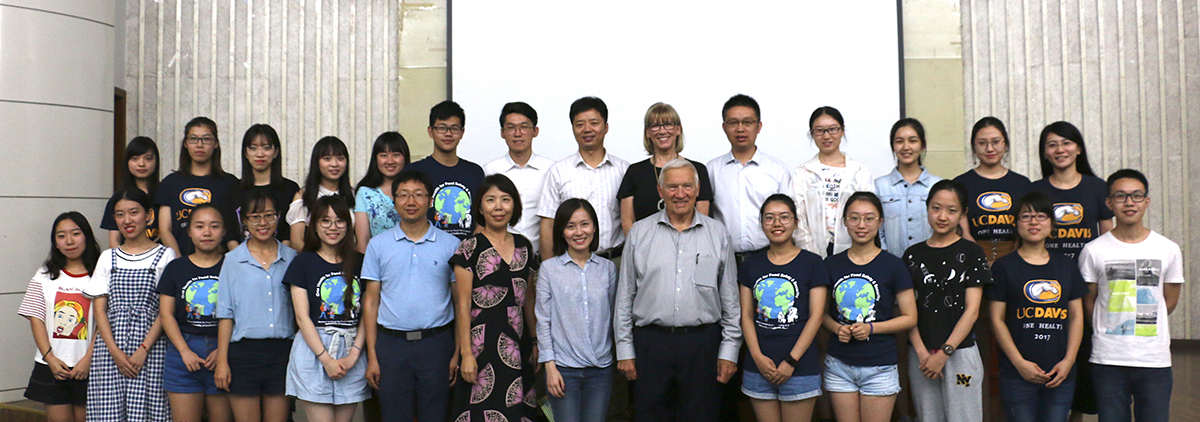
(328, 287)
(991, 201)
(781, 305)
(1077, 213)
(453, 190)
(183, 192)
(195, 293)
(866, 293)
(1130, 317)
(1037, 299)
(60, 303)
(941, 277)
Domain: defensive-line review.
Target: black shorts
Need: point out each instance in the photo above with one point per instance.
(44, 388)
(258, 367)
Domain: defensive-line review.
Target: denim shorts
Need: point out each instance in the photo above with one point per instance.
(796, 388)
(867, 380)
(177, 378)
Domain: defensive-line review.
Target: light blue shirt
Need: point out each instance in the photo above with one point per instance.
(905, 217)
(379, 208)
(255, 297)
(574, 312)
(415, 278)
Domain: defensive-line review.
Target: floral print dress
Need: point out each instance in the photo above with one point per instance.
(503, 391)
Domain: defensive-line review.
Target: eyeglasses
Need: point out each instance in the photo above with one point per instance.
(257, 219)
(854, 219)
(784, 219)
(1039, 217)
(455, 129)
(831, 130)
(405, 196)
(660, 126)
(205, 140)
(995, 144)
(672, 188)
(507, 128)
(735, 123)
(1120, 197)
(327, 223)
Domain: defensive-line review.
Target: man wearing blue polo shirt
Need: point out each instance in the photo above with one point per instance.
(411, 356)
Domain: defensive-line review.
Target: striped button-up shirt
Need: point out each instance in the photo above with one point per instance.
(574, 312)
(571, 177)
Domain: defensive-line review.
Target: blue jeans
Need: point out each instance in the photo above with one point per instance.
(586, 392)
(1026, 401)
(1149, 390)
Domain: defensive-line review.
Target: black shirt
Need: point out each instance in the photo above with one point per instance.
(195, 293)
(327, 287)
(453, 192)
(283, 194)
(940, 277)
(1037, 298)
(990, 203)
(1077, 214)
(866, 293)
(183, 192)
(641, 182)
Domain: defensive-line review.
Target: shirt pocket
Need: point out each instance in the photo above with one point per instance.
(893, 206)
(706, 271)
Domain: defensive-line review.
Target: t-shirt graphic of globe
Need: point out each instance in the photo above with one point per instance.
(775, 296)
(200, 296)
(333, 292)
(855, 297)
(452, 205)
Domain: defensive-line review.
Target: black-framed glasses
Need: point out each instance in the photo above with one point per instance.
(830, 130)
(1039, 217)
(455, 129)
(1137, 197)
(205, 140)
(735, 123)
(327, 223)
(268, 218)
(660, 126)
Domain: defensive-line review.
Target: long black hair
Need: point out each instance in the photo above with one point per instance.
(1071, 133)
(185, 159)
(91, 250)
(346, 250)
(138, 146)
(272, 137)
(327, 146)
(386, 142)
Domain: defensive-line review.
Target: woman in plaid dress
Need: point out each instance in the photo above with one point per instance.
(127, 365)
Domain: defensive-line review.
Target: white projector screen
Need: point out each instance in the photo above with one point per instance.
(791, 56)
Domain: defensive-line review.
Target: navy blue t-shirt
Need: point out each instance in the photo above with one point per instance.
(866, 293)
(1077, 214)
(990, 203)
(183, 192)
(327, 286)
(195, 293)
(453, 192)
(781, 305)
(1037, 298)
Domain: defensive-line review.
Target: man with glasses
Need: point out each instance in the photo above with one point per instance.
(406, 306)
(1134, 277)
(676, 323)
(518, 127)
(454, 179)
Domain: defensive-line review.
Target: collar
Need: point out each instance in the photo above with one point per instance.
(578, 158)
(895, 178)
(566, 259)
(728, 158)
(662, 219)
(533, 163)
(242, 253)
(429, 236)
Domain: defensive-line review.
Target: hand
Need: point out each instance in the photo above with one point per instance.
(765, 366)
(1031, 372)
(137, 360)
(372, 374)
(725, 370)
(333, 369)
(1060, 372)
(210, 362)
(554, 381)
(860, 331)
(453, 369)
(83, 368)
(221, 375)
(782, 374)
(922, 356)
(628, 369)
(844, 334)
(347, 362)
(932, 367)
(468, 368)
(123, 364)
(192, 361)
(533, 358)
(57, 367)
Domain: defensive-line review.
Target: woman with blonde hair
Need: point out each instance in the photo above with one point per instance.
(663, 140)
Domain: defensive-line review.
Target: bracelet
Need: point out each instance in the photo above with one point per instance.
(872, 325)
(44, 355)
(356, 347)
(323, 350)
(143, 345)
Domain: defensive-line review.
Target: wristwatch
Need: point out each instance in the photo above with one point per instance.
(948, 349)
(791, 360)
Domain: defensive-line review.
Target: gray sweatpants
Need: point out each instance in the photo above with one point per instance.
(957, 397)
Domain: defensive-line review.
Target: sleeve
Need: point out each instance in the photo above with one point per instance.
(167, 257)
(294, 276)
(166, 192)
(978, 273)
(1087, 265)
(360, 200)
(166, 283)
(225, 296)
(623, 305)
(542, 308)
(803, 235)
(706, 190)
(464, 254)
(743, 275)
(628, 185)
(371, 265)
(731, 306)
(863, 182)
(550, 199)
(33, 305)
(903, 280)
(106, 218)
(1078, 288)
(1173, 271)
(297, 212)
(229, 207)
(1101, 192)
(820, 274)
(999, 288)
(99, 283)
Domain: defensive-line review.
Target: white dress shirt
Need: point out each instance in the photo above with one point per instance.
(740, 190)
(571, 177)
(528, 179)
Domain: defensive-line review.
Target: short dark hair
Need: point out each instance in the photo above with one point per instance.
(589, 103)
(563, 216)
(205, 206)
(1127, 174)
(959, 191)
(445, 110)
(91, 250)
(502, 182)
(1071, 133)
(257, 201)
(1036, 201)
(986, 122)
(268, 132)
(741, 100)
(825, 111)
(185, 159)
(137, 146)
(412, 176)
(386, 142)
(916, 127)
(132, 193)
(520, 107)
(868, 197)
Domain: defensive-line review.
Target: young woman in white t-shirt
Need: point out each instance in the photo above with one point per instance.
(821, 186)
(61, 320)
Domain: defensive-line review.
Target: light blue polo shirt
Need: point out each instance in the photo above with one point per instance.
(255, 298)
(415, 278)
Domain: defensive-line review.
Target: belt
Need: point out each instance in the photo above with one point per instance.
(413, 335)
(679, 330)
(613, 252)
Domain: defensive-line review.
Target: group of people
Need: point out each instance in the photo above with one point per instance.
(442, 290)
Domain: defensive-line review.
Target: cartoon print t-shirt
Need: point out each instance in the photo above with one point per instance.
(453, 190)
(334, 298)
(866, 293)
(781, 305)
(195, 292)
(1077, 214)
(941, 277)
(183, 192)
(1037, 298)
(991, 202)
(66, 312)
